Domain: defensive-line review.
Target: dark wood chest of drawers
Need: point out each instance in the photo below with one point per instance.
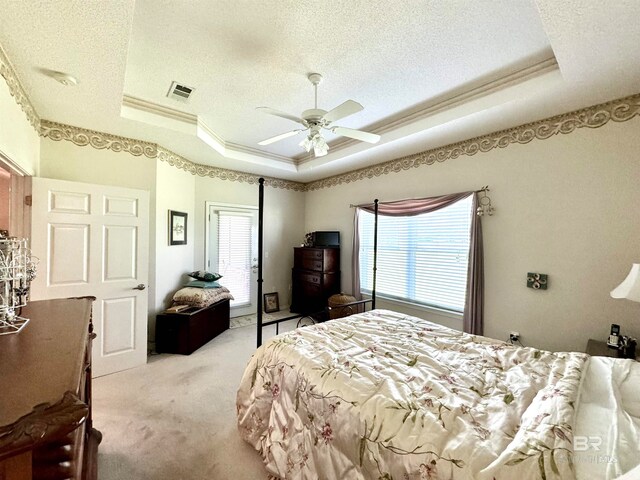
(315, 277)
(46, 431)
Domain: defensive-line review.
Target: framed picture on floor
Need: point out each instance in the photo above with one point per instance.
(177, 228)
(271, 303)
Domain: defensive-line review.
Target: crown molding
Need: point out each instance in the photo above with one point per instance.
(445, 102)
(620, 110)
(171, 113)
(17, 90)
(159, 115)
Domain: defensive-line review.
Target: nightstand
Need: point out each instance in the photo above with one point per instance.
(601, 349)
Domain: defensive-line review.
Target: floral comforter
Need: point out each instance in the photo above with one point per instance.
(382, 395)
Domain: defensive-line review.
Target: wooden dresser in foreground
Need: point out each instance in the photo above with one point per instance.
(45, 394)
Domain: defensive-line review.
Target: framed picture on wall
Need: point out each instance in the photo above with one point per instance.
(271, 303)
(177, 228)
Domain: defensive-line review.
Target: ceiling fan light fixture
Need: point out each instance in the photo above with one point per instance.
(320, 148)
(314, 120)
(315, 141)
(307, 143)
(319, 151)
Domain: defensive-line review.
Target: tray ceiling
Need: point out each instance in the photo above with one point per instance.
(427, 72)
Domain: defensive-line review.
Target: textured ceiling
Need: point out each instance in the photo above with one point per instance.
(242, 55)
(427, 72)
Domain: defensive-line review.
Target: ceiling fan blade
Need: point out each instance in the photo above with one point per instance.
(277, 138)
(343, 110)
(357, 134)
(278, 113)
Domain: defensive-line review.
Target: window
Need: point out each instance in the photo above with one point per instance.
(422, 259)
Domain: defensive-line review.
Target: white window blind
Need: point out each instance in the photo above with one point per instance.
(421, 259)
(234, 255)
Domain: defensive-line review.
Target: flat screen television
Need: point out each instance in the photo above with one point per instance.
(326, 239)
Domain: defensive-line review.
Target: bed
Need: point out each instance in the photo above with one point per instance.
(383, 395)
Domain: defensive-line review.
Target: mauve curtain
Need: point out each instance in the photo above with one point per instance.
(472, 320)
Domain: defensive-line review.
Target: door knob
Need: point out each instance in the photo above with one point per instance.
(141, 286)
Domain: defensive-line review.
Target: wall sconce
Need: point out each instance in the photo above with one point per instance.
(484, 203)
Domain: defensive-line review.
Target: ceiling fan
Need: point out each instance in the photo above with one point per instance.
(316, 119)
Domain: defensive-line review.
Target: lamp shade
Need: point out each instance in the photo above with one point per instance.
(630, 287)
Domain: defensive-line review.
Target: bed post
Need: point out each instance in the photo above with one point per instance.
(375, 253)
(260, 234)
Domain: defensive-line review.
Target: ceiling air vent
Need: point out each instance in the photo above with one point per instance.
(180, 92)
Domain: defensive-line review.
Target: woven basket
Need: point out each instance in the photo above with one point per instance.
(340, 299)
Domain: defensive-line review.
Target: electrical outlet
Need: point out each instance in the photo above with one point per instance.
(514, 336)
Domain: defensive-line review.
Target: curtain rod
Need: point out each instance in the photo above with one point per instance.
(351, 205)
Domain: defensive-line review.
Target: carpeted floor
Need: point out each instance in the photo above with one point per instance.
(252, 319)
(175, 418)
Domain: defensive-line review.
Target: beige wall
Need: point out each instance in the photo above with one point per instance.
(283, 227)
(66, 161)
(566, 206)
(19, 154)
(176, 191)
(19, 141)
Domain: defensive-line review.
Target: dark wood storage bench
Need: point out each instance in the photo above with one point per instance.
(186, 331)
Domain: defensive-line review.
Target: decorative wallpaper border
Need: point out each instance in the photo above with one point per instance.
(620, 110)
(105, 141)
(99, 140)
(182, 163)
(17, 91)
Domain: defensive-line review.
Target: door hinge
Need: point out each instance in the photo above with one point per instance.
(28, 200)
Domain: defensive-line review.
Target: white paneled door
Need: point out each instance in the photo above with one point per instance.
(93, 240)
